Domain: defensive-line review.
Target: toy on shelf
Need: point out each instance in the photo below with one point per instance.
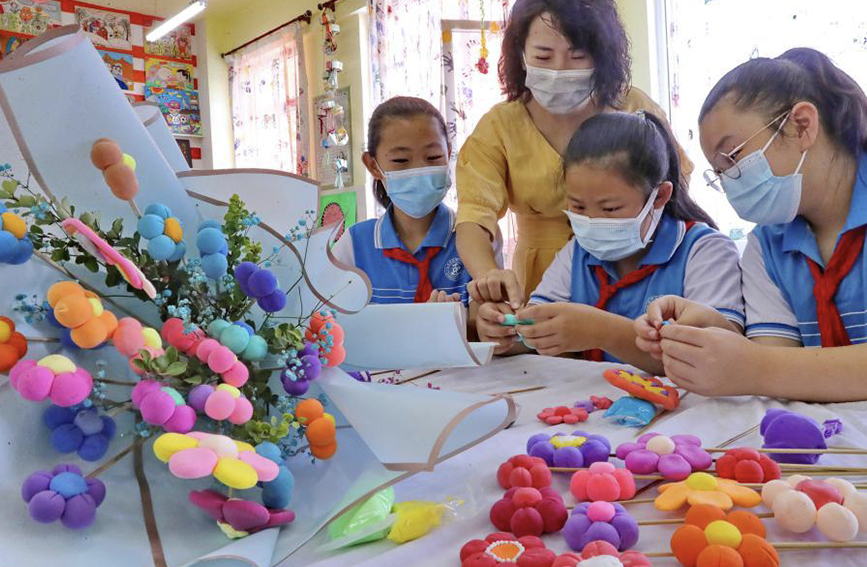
(528, 511)
(709, 536)
(832, 505)
(702, 488)
(674, 457)
(580, 449)
(600, 521)
(602, 482)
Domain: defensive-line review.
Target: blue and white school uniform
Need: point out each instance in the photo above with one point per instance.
(365, 244)
(699, 264)
(779, 284)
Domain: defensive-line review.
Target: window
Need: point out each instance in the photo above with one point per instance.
(707, 39)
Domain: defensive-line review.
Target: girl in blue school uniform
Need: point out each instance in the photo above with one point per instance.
(409, 253)
(638, 236)
(787, 140)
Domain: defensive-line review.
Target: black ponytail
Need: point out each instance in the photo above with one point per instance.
(641, 148)
(773, 86)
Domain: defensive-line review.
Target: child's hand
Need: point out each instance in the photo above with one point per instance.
(557, 328)
(681, 311)
(711, 362)
(489, 328)
(438, 296)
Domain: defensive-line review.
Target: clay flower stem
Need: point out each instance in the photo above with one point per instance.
(134, 208)
(852, 471)
(42, 339)
(680, 520)
(116, 382)
(522, 391)
(113, 461)
(831, 451)
(789, 546)
(119, 409)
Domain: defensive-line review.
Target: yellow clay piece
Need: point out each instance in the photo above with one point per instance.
(57, 363)
(560, 441)
(723, 533)
(168, 444)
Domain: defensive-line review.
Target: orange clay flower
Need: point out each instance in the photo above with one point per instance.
(702, 488)
(710, 538)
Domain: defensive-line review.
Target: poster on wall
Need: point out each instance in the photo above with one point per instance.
(161, 75)
(120, 65)
(180, 109)
(327, 153)
(30, 17)
(9, 43)
(338, 207)
(109, 29)
(177, 44)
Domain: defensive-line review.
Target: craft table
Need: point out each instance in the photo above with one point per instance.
(470, 476)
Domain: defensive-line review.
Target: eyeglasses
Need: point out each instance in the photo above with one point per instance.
(730, 169)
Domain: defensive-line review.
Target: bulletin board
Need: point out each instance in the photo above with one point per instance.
(325, 157)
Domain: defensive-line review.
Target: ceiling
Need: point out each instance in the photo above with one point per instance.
(216, 8)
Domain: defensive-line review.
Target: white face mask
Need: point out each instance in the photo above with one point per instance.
(615, 239)
(559, 91)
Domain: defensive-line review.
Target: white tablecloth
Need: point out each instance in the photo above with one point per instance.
(471, 475)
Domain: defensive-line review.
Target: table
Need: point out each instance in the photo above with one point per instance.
(470, 476)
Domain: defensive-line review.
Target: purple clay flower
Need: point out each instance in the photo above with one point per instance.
(600, 521)
(580, 449)
(63, 494)
(84, 432)
(674, 457)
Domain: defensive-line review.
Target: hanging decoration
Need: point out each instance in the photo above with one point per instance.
(331, 115)
(482, 63)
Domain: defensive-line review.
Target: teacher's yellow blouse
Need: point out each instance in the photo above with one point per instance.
(506, 163)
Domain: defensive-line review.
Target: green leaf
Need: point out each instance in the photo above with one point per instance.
(116, 229)
(140, 364)
(26, 201)
(113, 277)
(176, 369)
(57, 254)
(91, 264)
(6, 194)
(36, 229)
(194, 380)
(9, 186)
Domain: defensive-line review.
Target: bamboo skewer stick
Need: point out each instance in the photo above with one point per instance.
(113, 461)
(41, 339)
(671, 521)
(789, 546)
(830, 451)
(850, 471)
(522, 391)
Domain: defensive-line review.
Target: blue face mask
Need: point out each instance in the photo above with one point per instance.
(417, 191)
(759, 196)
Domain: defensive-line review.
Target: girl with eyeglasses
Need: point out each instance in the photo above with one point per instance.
(787, 139)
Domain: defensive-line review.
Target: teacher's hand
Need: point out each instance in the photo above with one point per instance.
(497, 286)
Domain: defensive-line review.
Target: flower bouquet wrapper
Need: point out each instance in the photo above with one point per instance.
(57, 99)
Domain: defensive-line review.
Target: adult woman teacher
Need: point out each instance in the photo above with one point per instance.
(562, 62)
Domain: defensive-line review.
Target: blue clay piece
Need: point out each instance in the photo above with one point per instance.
(262, 283)
(246, 327)
(224, 249)
(278, 493)
(157, 209)
(257, 349)
(66, 340)
(270, 451)
(510, 320)
(52, 320)
(161, 248)
(150, 226)
(66, 438)
(215, 265)
(23, 251)
(109, 427)
(89, 422)
(55, 416)
(68, 484)
(243, 271)
(216, 327)
(211, 224)
(272, 303)
(93, 448)
(235, 338)
(631, 412)
(209, 241)
(8, 245)
(180, 252)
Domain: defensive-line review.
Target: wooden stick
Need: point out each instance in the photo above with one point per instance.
(751, 485)
(639, 501)
(680, 520)
(116, 382)
(523, 390)
(830, 450)
(740, 436)
(790, 546)
(112, 461)
(134, 208)
(119, 409)
(42, 339)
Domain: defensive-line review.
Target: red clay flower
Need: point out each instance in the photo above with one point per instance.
(747, 465)
(503, 548)
(562, 414)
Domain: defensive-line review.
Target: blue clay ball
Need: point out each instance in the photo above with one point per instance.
(257, 349)
(278, 493)
(68, 484)
(215, 265)
(161, 248)
(66, 438)
(216, 327)
(243, 271)
(93, 448)
(151, 226)
(211, 224)
(270, 451)
(272, 303)
(55, 416)
(179, 253)
(262, 283)
(246, 327)
(209, 241)
(224, 249)
(66, 340)
(8, 245)
(158, 210)
(23, 251)
(52, 320)
(234, 338)
(109, 427)
(89, 422)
